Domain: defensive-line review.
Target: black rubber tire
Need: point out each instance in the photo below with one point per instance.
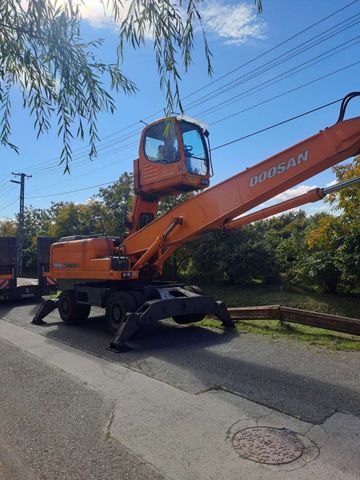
(70, 311)
(116, 309)
(130, 302)
(195, 317)
(138, 296)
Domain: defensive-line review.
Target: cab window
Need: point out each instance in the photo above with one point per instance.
(196, 156)
(161, 143)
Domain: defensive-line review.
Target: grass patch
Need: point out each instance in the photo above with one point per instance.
(53, 296)
(235, 296)
(303, 333)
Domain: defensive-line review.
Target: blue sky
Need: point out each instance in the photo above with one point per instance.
(236, 36)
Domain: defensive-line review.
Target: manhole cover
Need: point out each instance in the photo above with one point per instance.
(271, 446)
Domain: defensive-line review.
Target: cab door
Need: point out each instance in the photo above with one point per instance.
(160, 157)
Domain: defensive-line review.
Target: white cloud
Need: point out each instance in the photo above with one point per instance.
(333, 182)
(99, 14)
(96, 13)
(320, 207)
(292, 192)
(310, 208)
(236, 24)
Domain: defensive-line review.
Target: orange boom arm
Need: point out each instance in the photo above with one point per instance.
(117, 274)
(217, 206)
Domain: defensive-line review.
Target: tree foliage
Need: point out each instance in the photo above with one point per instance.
(318, 252)
(43, 56)
(117, 201)
(348, 199)
(59, 75)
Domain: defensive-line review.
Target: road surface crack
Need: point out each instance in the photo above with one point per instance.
(110, 423)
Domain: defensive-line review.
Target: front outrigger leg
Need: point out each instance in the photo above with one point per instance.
(45, 308)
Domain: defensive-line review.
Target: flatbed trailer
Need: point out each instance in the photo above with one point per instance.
(13, 287)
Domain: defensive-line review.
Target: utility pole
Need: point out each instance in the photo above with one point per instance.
(20, 235)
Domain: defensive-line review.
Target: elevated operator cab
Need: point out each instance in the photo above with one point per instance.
(173, 158)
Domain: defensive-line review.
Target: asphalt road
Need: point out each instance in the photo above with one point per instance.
(300, 380)
(54, 427)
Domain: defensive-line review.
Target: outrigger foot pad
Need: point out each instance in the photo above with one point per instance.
(45, 308)
(224, 315)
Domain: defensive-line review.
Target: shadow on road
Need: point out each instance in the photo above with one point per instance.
(29, 304)
(285, 376)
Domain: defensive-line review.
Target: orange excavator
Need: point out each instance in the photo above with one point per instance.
(122, 274)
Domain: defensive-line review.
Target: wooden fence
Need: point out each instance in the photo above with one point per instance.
(295, 315)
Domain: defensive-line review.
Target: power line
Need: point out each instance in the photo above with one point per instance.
(265, 84)
(291, 90)
(9, 204)
(74, 191)
(235, 140)
(74, 178)
(84, 159)
(273, 48)
(257, 132)
(5, 181)
(282, 76)
(256, 105)
(101, 162)
(78, 176)
(336, 12)
(270, 127)
(43, 170)
(45, 165)
(229, 116)
(7, 189)
(288, 55)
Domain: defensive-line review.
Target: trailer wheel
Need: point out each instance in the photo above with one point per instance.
(194, 317)
(116, 308)
(70, 311)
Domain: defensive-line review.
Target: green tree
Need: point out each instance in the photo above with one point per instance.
(36, 223)
(8, 227)
(69, 218)
(320, 266)
(117, 202)
(235, 257)
(348, 200)
(285, 236)
(333, 259)
(179, 262)
(43, 56)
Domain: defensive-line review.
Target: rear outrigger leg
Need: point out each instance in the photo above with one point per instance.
(224, 316)
(174, 301)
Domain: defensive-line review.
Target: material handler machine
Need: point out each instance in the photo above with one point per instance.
(121, 274)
